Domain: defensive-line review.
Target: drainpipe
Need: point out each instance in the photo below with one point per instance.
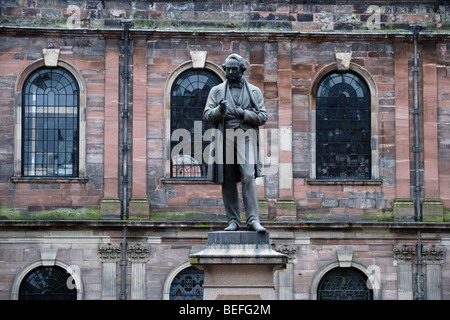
(416, 150)
(123, 265)
(125, 148)
(125, 116)
(416, 112)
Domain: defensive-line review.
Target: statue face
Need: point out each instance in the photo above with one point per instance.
(233, 70)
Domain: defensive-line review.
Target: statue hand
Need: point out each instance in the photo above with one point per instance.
(223, 106)
(240, 112)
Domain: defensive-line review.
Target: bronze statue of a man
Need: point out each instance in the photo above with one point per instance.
(236, 109)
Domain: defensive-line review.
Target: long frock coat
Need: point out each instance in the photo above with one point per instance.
(255, 115)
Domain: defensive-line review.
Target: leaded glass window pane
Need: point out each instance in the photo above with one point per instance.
(188, 98)
(344, 284)
(47, 283)
(187, 285)
(50, 116)
(343, 127)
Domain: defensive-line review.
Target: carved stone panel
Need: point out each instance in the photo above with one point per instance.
(404, 253)
(137, 252)
(288, 250)
(433, 254)
(109, 252)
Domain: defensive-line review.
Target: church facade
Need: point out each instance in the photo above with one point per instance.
(103, 189)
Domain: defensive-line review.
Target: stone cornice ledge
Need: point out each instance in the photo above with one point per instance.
(254, 35)
(49, 179)
(370, 182)
(219, 225)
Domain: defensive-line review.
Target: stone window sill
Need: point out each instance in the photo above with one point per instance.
(49, 180)
(372, 182)
(186, 181)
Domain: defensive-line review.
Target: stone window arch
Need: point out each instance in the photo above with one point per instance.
(186, 92)
(365, 93)
(344, 284)
(48, 262)
(47, 283)
(20, 103)
(345, 261)
(184, 282)
(50, 112)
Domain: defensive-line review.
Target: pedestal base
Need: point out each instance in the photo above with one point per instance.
(286, 208)
(238, 265)
(404, 210)
(139, 208)
(432, 210)
(110, 208)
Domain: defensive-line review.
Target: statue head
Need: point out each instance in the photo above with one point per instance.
(234, 67)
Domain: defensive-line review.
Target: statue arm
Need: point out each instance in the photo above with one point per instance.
(212, 112)
(256, 116)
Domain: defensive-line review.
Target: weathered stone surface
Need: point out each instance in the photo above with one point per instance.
(404, 209)
(51, 57)
(286, 68)
(222, 15)
(343, 60)
(241, 237)
(239, 263)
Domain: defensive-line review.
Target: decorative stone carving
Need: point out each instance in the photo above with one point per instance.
(137, 252)
(286, 276)
(289, 250)
(433, 257)
(433, 254)
(404, 253)
(109, 252)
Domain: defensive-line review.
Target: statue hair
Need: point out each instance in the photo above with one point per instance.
(239, 59)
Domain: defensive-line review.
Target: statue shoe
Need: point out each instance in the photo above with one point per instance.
(255, 226)
(233, 226)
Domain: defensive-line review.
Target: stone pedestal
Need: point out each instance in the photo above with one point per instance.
(238, 265)
(110, 208)
(432, 210)
(404, 210)
(139, 208)
(286, 208)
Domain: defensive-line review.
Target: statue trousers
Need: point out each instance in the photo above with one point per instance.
(243, 164)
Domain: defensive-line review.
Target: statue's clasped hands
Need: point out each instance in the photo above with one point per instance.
(223, 108)
(240, 111)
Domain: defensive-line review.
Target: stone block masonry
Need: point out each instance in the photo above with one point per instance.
(238, 264)
(222, 15)
(289, 48)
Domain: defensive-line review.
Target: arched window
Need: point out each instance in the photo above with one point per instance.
(50, 124)
(47, 283)
(189, 93)
(343, 127)
(187, 285)
(344, 284)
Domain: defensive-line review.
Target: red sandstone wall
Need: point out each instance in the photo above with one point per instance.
(283, 66)
(88, 56)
